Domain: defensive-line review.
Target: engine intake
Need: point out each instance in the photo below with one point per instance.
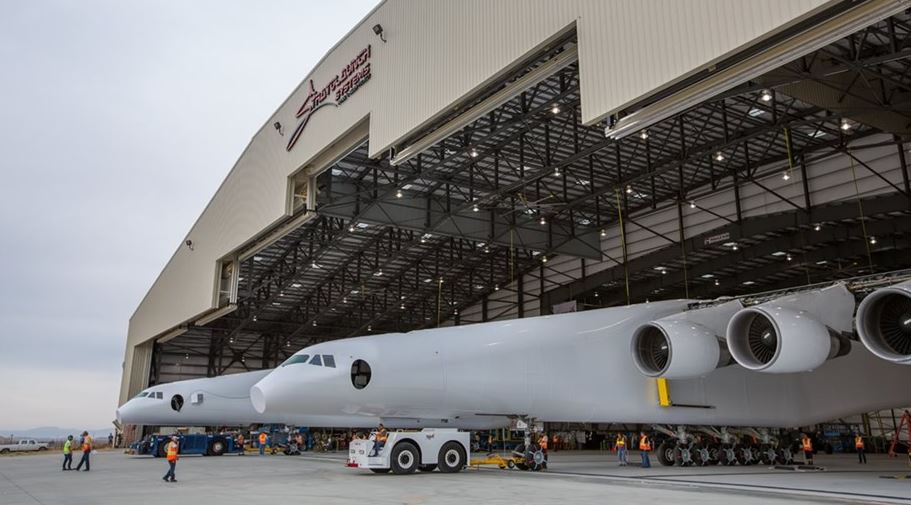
(684, 345)
(796, 333)
(884, 323)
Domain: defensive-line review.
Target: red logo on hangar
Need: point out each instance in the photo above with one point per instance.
(342, 86)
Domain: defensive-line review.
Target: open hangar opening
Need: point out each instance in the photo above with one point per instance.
(510, 205)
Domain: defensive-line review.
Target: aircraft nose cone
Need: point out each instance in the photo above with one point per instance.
(258, 399)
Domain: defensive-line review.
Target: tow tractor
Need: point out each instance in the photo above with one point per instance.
(407, 451)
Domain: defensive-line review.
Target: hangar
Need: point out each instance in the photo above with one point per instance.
(448, 163)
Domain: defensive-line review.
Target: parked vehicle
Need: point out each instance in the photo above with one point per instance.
(24, 446)
(203, 444)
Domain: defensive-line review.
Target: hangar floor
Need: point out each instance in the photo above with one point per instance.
(586, 477)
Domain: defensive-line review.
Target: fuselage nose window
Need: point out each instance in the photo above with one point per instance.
(360, 374)
(177, 403)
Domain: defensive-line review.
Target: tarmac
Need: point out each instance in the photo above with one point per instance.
(572, 477)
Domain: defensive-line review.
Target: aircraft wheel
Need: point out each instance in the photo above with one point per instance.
(405, 458)
(665, 454)
(451, 458)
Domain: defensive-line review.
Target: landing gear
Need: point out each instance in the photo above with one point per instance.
(667, 453)
(529, 457)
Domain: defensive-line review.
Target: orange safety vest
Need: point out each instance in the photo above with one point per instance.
(263, 438)
(172, 452)
(542, 442)
(382, 435)
(807, 445)
(644, 445)
(87, 444)
(858, 442)
(621, 442)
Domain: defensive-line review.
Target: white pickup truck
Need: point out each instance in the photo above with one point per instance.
(23, 446)
(406, 451)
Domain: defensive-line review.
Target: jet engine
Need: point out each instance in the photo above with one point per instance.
(795, 333)
(683, 345)
(884, 323)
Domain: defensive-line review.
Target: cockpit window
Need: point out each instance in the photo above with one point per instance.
(316, 360)
(143, 394)
(159, 395)
(329, 360)
(297, 358)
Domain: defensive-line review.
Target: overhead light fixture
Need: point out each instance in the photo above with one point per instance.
(314, 264)
(351, 228)
(817, 227)
(789, 257)
(398, 193)
(402, 306)
(643, 134)
(557, 171)
(543, 221)
(629, 189)
(872, 240)
(474, 153)
(369, 327)
(543, 258)
(473, 208)
(603, 233)
(719, 156)
(786, 175)
(544, 71)
(287, 344)
(717, 283)
(496, 287)
(766, 95)
(314, 323)
(845, 125)
(748, 283)
(555, 109)
(692, 204)
(734, 247)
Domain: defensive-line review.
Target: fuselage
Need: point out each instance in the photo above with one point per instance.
(561, 368)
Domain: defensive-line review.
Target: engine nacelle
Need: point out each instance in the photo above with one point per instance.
(884, 323)
(795, 333)
(684, 345)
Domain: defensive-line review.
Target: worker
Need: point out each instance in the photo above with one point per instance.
(68, 453)
(556, 441)
(86, 451)
(620, 445)
(379, 440)
(171, 451)
(807, 446)
(859, 447)
(241, 442)
(542, 442)
(644, 447)
(110, 440)
(263, 440)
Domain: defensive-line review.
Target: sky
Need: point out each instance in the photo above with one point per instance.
(118, 121)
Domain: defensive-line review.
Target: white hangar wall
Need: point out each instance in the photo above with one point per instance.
(437, 53)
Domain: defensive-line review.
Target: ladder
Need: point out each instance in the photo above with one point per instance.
(903, 424)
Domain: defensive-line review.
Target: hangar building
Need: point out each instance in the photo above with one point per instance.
(454, 162)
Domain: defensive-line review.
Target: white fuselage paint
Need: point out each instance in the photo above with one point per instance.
(569, 367)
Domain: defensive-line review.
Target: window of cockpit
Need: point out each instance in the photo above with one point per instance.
(143, 394)
(159, 395)
(316, 360)
(329, 360)
(297, 358)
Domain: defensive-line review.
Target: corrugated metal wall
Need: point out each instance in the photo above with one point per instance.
(439, 51)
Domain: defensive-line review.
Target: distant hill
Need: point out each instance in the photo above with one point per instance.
(53, 433)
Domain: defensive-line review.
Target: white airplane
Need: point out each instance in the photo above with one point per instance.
(797, 367)
(787, 362)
